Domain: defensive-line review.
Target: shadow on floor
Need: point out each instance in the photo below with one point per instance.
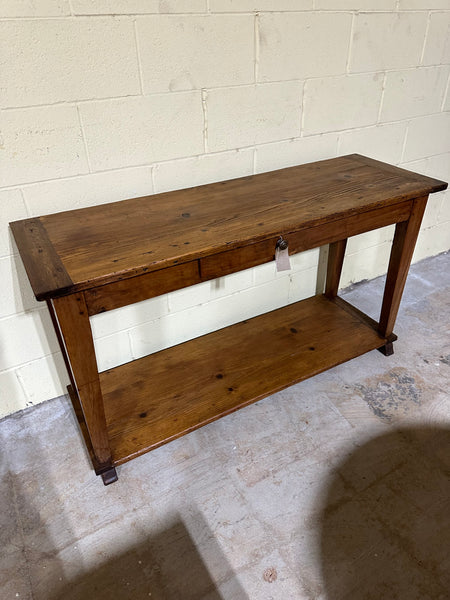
(168, 566)
(385, 526)
(45, 555)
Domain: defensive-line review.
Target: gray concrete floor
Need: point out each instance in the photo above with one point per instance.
(336, 488)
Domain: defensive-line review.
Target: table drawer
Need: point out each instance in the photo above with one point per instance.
(246, 257)
(239, 259)
(136, 289)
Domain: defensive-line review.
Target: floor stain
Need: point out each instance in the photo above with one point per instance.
(270, 575)
(392, 394)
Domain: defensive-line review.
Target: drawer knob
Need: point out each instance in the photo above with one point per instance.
(282, 255)
(282, 244)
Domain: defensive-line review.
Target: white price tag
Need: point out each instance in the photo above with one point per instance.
(282, 256)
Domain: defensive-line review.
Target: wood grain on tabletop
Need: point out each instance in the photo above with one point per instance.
(122, 239)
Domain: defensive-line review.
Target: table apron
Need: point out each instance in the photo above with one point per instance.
(128, 291)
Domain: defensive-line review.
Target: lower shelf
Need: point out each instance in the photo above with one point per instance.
(160, 397)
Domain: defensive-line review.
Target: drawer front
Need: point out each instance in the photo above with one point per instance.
(345, 228)
(246, 257)
(239, 259)
(136, 289)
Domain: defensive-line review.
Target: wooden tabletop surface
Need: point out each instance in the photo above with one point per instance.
(80, 249)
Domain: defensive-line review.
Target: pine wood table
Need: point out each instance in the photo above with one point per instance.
(86, 261)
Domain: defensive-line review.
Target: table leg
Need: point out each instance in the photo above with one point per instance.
(336, 253)
(70, 315)
(402, 250)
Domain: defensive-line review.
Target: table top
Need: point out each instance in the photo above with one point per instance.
(80, 249)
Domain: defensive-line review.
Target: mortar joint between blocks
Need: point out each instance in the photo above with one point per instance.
(83, 137)
(446, 94)
(402, 155)
(205, 119)
(350, 44)
(425, 38)
(302, 109)
(256, 47)
(138, 55)
(383, 87)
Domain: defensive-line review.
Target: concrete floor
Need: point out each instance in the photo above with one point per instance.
(336, 488)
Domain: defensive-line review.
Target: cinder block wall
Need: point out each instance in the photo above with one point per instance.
(102, 100)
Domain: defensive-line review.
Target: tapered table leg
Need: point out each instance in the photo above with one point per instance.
(75, 336)
(336, 253)
(403, 245)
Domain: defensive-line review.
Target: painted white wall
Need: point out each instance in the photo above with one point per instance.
(103, 100)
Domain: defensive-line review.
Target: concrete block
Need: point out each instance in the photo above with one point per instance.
(41, 143)
(51, 60)
(199, 170)
(301, 261)
(12, 208)
(113, 350)
(210, 290)
(267, 273)
(259, 5)
(301, 45)
(431, 216)
(365, 264)
(302, 285)
(413, 93)
(50, 372)
(444, 211)
(27, 8)
(433, 166)
(168, 331)
(377, 237)
(201, 319)
(437, 210)
(422, 4)
(137, 131)
(113, 321)
(437, 45)
(336, 103)
(134, 7)
(87, 190)
(368, 5)
(12, 395)
(15, 291)
(299, 151)
(26, 337)
(387, 41)
(185, 53)
(427, 136)
(432, 241)
(382, 142)
(248, 115)
(193, 295)
(256, 300)
(231, 284)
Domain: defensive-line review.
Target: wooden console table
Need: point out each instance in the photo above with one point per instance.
(84, 262)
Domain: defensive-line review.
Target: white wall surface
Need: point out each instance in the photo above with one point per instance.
(103, 100)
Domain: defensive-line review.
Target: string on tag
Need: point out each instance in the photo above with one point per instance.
(282, 255)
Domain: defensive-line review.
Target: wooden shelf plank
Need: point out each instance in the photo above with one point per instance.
(160, 397)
